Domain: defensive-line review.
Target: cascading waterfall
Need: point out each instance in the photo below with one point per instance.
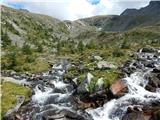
(53, 96)
(56, 95)
(137, 94)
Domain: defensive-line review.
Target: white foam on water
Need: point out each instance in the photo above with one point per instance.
(40, 97)
(103, 113)
(57, 67)
(59, 84)
(137, 92)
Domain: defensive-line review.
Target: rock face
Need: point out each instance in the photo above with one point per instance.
(118, 88)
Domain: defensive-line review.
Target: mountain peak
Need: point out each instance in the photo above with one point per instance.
(152, 3)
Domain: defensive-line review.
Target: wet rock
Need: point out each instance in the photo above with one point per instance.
(105, 65)
(82, 88)
(150, 88)
(148, 50)
(153, 82)
(118, 88)
(156, 70)
(66, 114)
(149, 64)
(134, 113)
(94, 100)
(133, 116)
(130, 66)
(138, 65)
(155, 115)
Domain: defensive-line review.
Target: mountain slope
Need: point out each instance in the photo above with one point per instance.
(97, 21)
(22, 26)
(130, 18)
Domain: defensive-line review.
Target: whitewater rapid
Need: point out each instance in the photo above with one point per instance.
(52, 96)
(137, 94)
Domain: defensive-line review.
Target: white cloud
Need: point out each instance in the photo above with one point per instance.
(75, 9)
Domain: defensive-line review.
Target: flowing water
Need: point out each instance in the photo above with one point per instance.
(53, 96)
(137, 94)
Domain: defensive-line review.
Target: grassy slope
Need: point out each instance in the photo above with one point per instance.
(9, 92)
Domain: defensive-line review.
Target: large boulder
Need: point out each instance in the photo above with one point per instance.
(118, 88)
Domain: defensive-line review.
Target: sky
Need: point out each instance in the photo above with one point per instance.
(75, 9)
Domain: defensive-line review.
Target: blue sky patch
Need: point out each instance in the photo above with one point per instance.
(94, 2)
(16, 5)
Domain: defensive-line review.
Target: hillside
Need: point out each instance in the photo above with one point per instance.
(83, 69)
(98, 21)
(23, 26)
(34, 38)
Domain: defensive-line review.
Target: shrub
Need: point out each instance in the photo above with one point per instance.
(80, 46)
(39, 48)
(125, 44)
(117, 53)
(5, 40)
(12, 58)
(26, 49)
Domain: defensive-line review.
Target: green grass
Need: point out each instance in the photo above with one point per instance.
(21, 62)
(9, 92)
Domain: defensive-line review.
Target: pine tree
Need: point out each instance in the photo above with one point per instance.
(80, 46)
(58, 47)
(39, 48)
(13, 61)
(26, 49)
(5, 40)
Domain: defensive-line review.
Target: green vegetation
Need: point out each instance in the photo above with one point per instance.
(23, 59)
(9, 92)
(5, 39)
(80, 46)
(26, 49)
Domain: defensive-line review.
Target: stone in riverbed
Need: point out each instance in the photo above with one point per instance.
(134, 113)
(153, 81)
(134, 116)
(156, 115)
(148, 50)
(118, 88)
(156, 70)
(66, 114)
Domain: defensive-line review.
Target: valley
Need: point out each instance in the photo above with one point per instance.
(99, 68)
